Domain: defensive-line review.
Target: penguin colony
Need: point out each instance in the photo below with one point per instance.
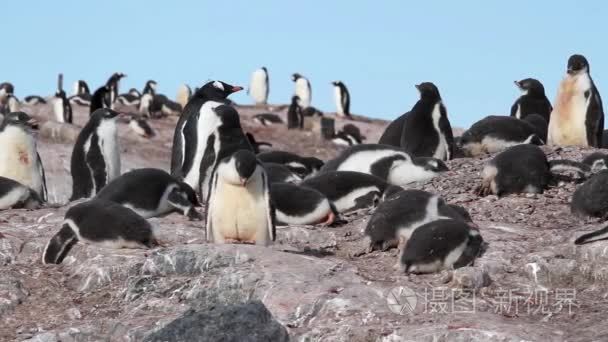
(247, 193)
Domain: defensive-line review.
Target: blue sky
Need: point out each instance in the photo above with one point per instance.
(472, 50)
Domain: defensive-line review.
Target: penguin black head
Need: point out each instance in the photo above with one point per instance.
(530, 86)
(19, 118)
(150, 87)
(189, 193)
(428, 90)
(228, 115)
(337, 83)
(104, 114)
(245, 164)
(7, 88)
(217, 90)
(83, 87)
(295, 76)
(577, 64)
(265, 70)
(431, 164)
(113, 80)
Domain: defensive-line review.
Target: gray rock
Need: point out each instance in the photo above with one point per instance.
(12, 293)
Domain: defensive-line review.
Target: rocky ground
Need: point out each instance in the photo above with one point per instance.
(532, 284)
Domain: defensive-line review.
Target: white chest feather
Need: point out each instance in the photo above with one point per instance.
(303, 92)
(258, 89)
(18, 159)
(442, 147)
(109, 148)
(405, 172)
(362, 161)
(338, 99)
(9, 199)
(567, 122)
(58, 110)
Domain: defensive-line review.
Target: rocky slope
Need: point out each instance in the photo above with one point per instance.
(532, 284)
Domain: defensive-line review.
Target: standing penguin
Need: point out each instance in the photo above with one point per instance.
(303, 90)
(61, 106)
(225, 140)
(193, 128)
(342, 98)
(239, 207)
(532, 101)
(427, 132)
(82, 94)
(578, 116)
(259, 87)
(19, 158)
(96, 156)
(112, 86)
(295, 118)
(99, 99)
(184, 93)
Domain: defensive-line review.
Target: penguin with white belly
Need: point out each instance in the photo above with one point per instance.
(302, 90)
(239, 207)
(259, 87)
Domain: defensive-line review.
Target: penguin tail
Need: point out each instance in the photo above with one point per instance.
(597, 235)
(59, 245)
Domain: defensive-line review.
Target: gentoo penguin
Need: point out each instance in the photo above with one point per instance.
(112, 85)
(267, 119)
(165, 106)
(130, 99)
(151, 193)
(523, 168)
(591, 198)
(348, 190)
(392, 133)
(578, 116)
(150, 87)
(82, 94)
(427, 132)
(96, 155)
(539, 123)
(19, 159)
(141, 127)
(61, 106)
(14, 195)
(300, 205)
(196, 123)
(226, 139)
(99, 99)
(302, 166)
(342, 98)
(601, 234)
(532, 101)
(302, 90)
(441, 245)
(386, 162)
(259, 86)
(184, 93)
(396, 218)
(239, 206)
(496, 133)
(103, 223)
(279, 173)
(295, 119)
(6, 88)
(257, 145)
(348, 136)
(34, 100)
(596, 161)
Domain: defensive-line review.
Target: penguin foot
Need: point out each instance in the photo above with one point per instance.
(329, 219)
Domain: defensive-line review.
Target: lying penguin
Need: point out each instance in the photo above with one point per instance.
(300, 205)
(14, 195)
(302, 166)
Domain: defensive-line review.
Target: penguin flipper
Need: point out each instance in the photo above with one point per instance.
(189, 144)
(270, 211)
(207, 163)
(97, 165)
(44, 194)
(59, 245)
(446, 128)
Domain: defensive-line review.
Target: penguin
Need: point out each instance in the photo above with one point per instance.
(130, 99)
(196, 123)
(301, 166)
(596, 161)
(61, 105)
(349, 190)
(184, 93)
(598, 235)
(141, 127)
(295, 119)
(392, 133)
(349, 135)
(165, 106)
(82, 94)
(532, 101)
(239, 206)
(441, 245)
(6, 88)
(496, 133)
(19, 158)
(302, 90)
(386, 162)
(150, 88)
(540, 124)
(396, 218)
(33, 100)
(14, 195)
(278, 173)
(227, 138)
(112, 85)
(259, 86)
(591, 198)
(151, 193)
(523, 168)
(342, 98)
(299, 205)
(103, 223)
(96, 155)
(311, 111)
(427, 132)
(12, 105)
(578, 116)
(267, 119)
(257, 146)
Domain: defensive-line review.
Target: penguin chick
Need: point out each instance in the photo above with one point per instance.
(539, 123)
(278, 173)
(302, 166)
(300, 205)
(152, 193)
(532, 101)
(596, 161)
(441, 245)
(591, 198)
(141, 127)
(295, 118)
(14, 195)
(99, 222)
(267, 119)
